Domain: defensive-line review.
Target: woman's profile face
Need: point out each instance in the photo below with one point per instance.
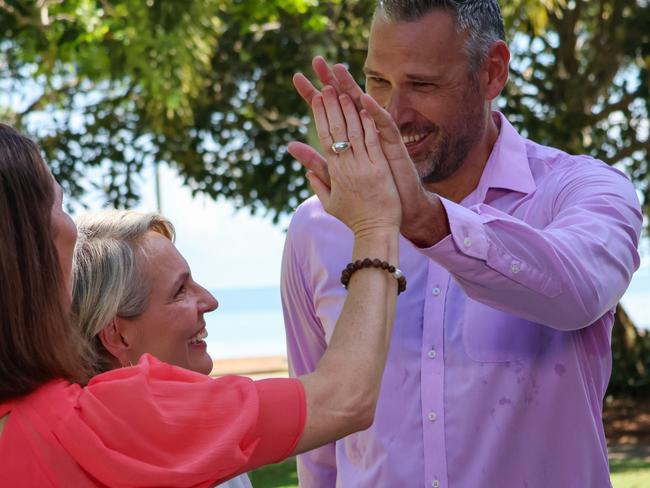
(172, 327)
(64, 233)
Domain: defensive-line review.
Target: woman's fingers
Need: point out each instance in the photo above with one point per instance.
(404, 172)
(338, 77)
(371, 139)
(321, 122)
(337, 125)
(354, 128)
(391, 140)
(384, 122)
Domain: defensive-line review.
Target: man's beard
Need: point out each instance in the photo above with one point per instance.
(454, 142)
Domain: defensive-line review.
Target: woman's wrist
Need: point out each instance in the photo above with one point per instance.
(376, 232)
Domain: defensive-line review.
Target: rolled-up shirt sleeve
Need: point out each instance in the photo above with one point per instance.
(564, 274)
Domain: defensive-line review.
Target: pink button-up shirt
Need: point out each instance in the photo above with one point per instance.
(501, 348)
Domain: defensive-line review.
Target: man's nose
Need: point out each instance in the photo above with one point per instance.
(398, 105)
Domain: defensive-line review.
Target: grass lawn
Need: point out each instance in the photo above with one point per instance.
(626, 473)
(629, 473)
(281, 475)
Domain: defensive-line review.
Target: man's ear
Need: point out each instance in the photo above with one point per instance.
(115, 341)
(496, 69)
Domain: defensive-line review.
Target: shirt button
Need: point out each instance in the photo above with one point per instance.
(515, 267)
(467, 242)
(436, 291)
(432, 354)
(435, 484)
(432, 416)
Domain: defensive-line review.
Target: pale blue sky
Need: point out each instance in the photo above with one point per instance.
(224, 248)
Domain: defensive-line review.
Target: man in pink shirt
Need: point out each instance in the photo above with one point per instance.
(516, 255)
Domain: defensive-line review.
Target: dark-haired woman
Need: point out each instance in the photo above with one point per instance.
(154, 424)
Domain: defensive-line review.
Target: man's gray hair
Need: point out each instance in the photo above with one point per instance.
(107, 279)
(481, 19)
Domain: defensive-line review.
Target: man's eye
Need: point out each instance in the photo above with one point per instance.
(379, 81)
(180, 291)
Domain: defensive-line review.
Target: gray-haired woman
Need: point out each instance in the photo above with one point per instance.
(133, 293)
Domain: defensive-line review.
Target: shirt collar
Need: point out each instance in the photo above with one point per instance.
(507, 168)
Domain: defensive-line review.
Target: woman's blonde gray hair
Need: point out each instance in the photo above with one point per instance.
(107, 277)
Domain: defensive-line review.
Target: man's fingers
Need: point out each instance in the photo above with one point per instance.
(310, 159)
(384, 122)
(321, 190)
(347, 84)
(391, 139)
(304, 87)
(324, 72)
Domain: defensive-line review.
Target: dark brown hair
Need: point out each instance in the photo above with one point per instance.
(37, 344)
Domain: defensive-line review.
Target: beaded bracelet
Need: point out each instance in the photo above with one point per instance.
(373, 263)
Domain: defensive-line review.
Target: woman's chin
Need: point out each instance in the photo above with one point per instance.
(202, 364)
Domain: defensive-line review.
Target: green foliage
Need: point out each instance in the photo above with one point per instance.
(579, 79)
(205, 85)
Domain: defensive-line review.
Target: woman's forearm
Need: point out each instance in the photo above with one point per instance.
(342, 392)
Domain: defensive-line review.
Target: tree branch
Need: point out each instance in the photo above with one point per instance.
(622, 104)
(628, 151)
(49, 96)
(20, 18)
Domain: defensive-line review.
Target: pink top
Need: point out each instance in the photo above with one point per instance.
(149, 425)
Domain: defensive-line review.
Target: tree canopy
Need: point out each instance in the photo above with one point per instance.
(205, 85)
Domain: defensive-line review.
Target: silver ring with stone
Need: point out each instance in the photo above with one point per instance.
(340, 146)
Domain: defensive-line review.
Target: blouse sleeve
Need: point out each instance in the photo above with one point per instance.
(155, 423)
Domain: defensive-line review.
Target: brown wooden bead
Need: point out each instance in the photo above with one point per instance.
(354, 266)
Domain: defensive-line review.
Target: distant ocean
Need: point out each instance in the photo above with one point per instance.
(249, 323)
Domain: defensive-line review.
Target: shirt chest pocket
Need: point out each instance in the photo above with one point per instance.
(490, 335)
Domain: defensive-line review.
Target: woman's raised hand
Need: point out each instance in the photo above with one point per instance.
(361, 192)
(420, 209)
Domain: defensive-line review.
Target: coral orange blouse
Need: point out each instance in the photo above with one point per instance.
(148, 425)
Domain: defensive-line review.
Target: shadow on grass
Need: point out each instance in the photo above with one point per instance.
(281, 475)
